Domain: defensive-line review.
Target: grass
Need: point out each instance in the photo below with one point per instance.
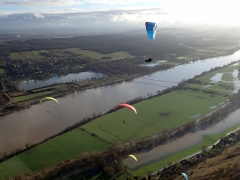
(204, 54)
(227, 77)
(35, 55)
(2, 71)
(95, 55)
(170, 63)
(207, 53)
(63, 147)
(61, 87)
(181, 105)
(32, 96)
(217, 87)
(208, 141)
(12, 167)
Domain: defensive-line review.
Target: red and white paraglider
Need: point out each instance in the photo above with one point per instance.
(127, 106)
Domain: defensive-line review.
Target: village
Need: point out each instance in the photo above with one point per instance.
(31, 68)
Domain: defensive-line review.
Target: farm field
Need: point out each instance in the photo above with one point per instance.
(64, 147)
(40, 54)
(32, 96)
(25, 55)
(181, 106)
(12, 167)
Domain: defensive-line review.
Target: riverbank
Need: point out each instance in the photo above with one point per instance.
(24, 100)
(208, 141)
(195, 164)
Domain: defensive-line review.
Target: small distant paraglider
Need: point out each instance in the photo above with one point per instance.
(148, 60)
(185, 175)
(48, 98)
(151, 28)
(130, 155)
(127, 106)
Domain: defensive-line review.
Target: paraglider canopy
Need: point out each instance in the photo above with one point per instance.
(48, 98)
(151, 29)
(185, 175)
(130, 155)
(128, 106)
(148, 60)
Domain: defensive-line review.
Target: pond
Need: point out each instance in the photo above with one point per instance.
(33, 84)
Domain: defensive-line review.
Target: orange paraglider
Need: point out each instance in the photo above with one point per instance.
(127, 106)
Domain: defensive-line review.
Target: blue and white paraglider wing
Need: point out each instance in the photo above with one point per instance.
(151, 28)
(185, 175)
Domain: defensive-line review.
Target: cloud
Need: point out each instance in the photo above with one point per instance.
(39, 2)
(119, 1)
(38, 15)
(68, 2)
(139, 16)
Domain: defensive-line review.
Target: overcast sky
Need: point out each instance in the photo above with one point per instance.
(115, 14)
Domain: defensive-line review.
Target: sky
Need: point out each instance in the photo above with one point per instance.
(115, 15)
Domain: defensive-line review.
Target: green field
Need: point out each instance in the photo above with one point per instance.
(200, 53)
(208, 141)
(35, 55)
(32, 96)
(2, 71)
(223, 84)
(206, 78)
(95, 55)
(181, 105)
(67, 146)
(12, 167)
(25, 55)
(60, 87)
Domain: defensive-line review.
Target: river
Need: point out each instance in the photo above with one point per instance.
(36, 124)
